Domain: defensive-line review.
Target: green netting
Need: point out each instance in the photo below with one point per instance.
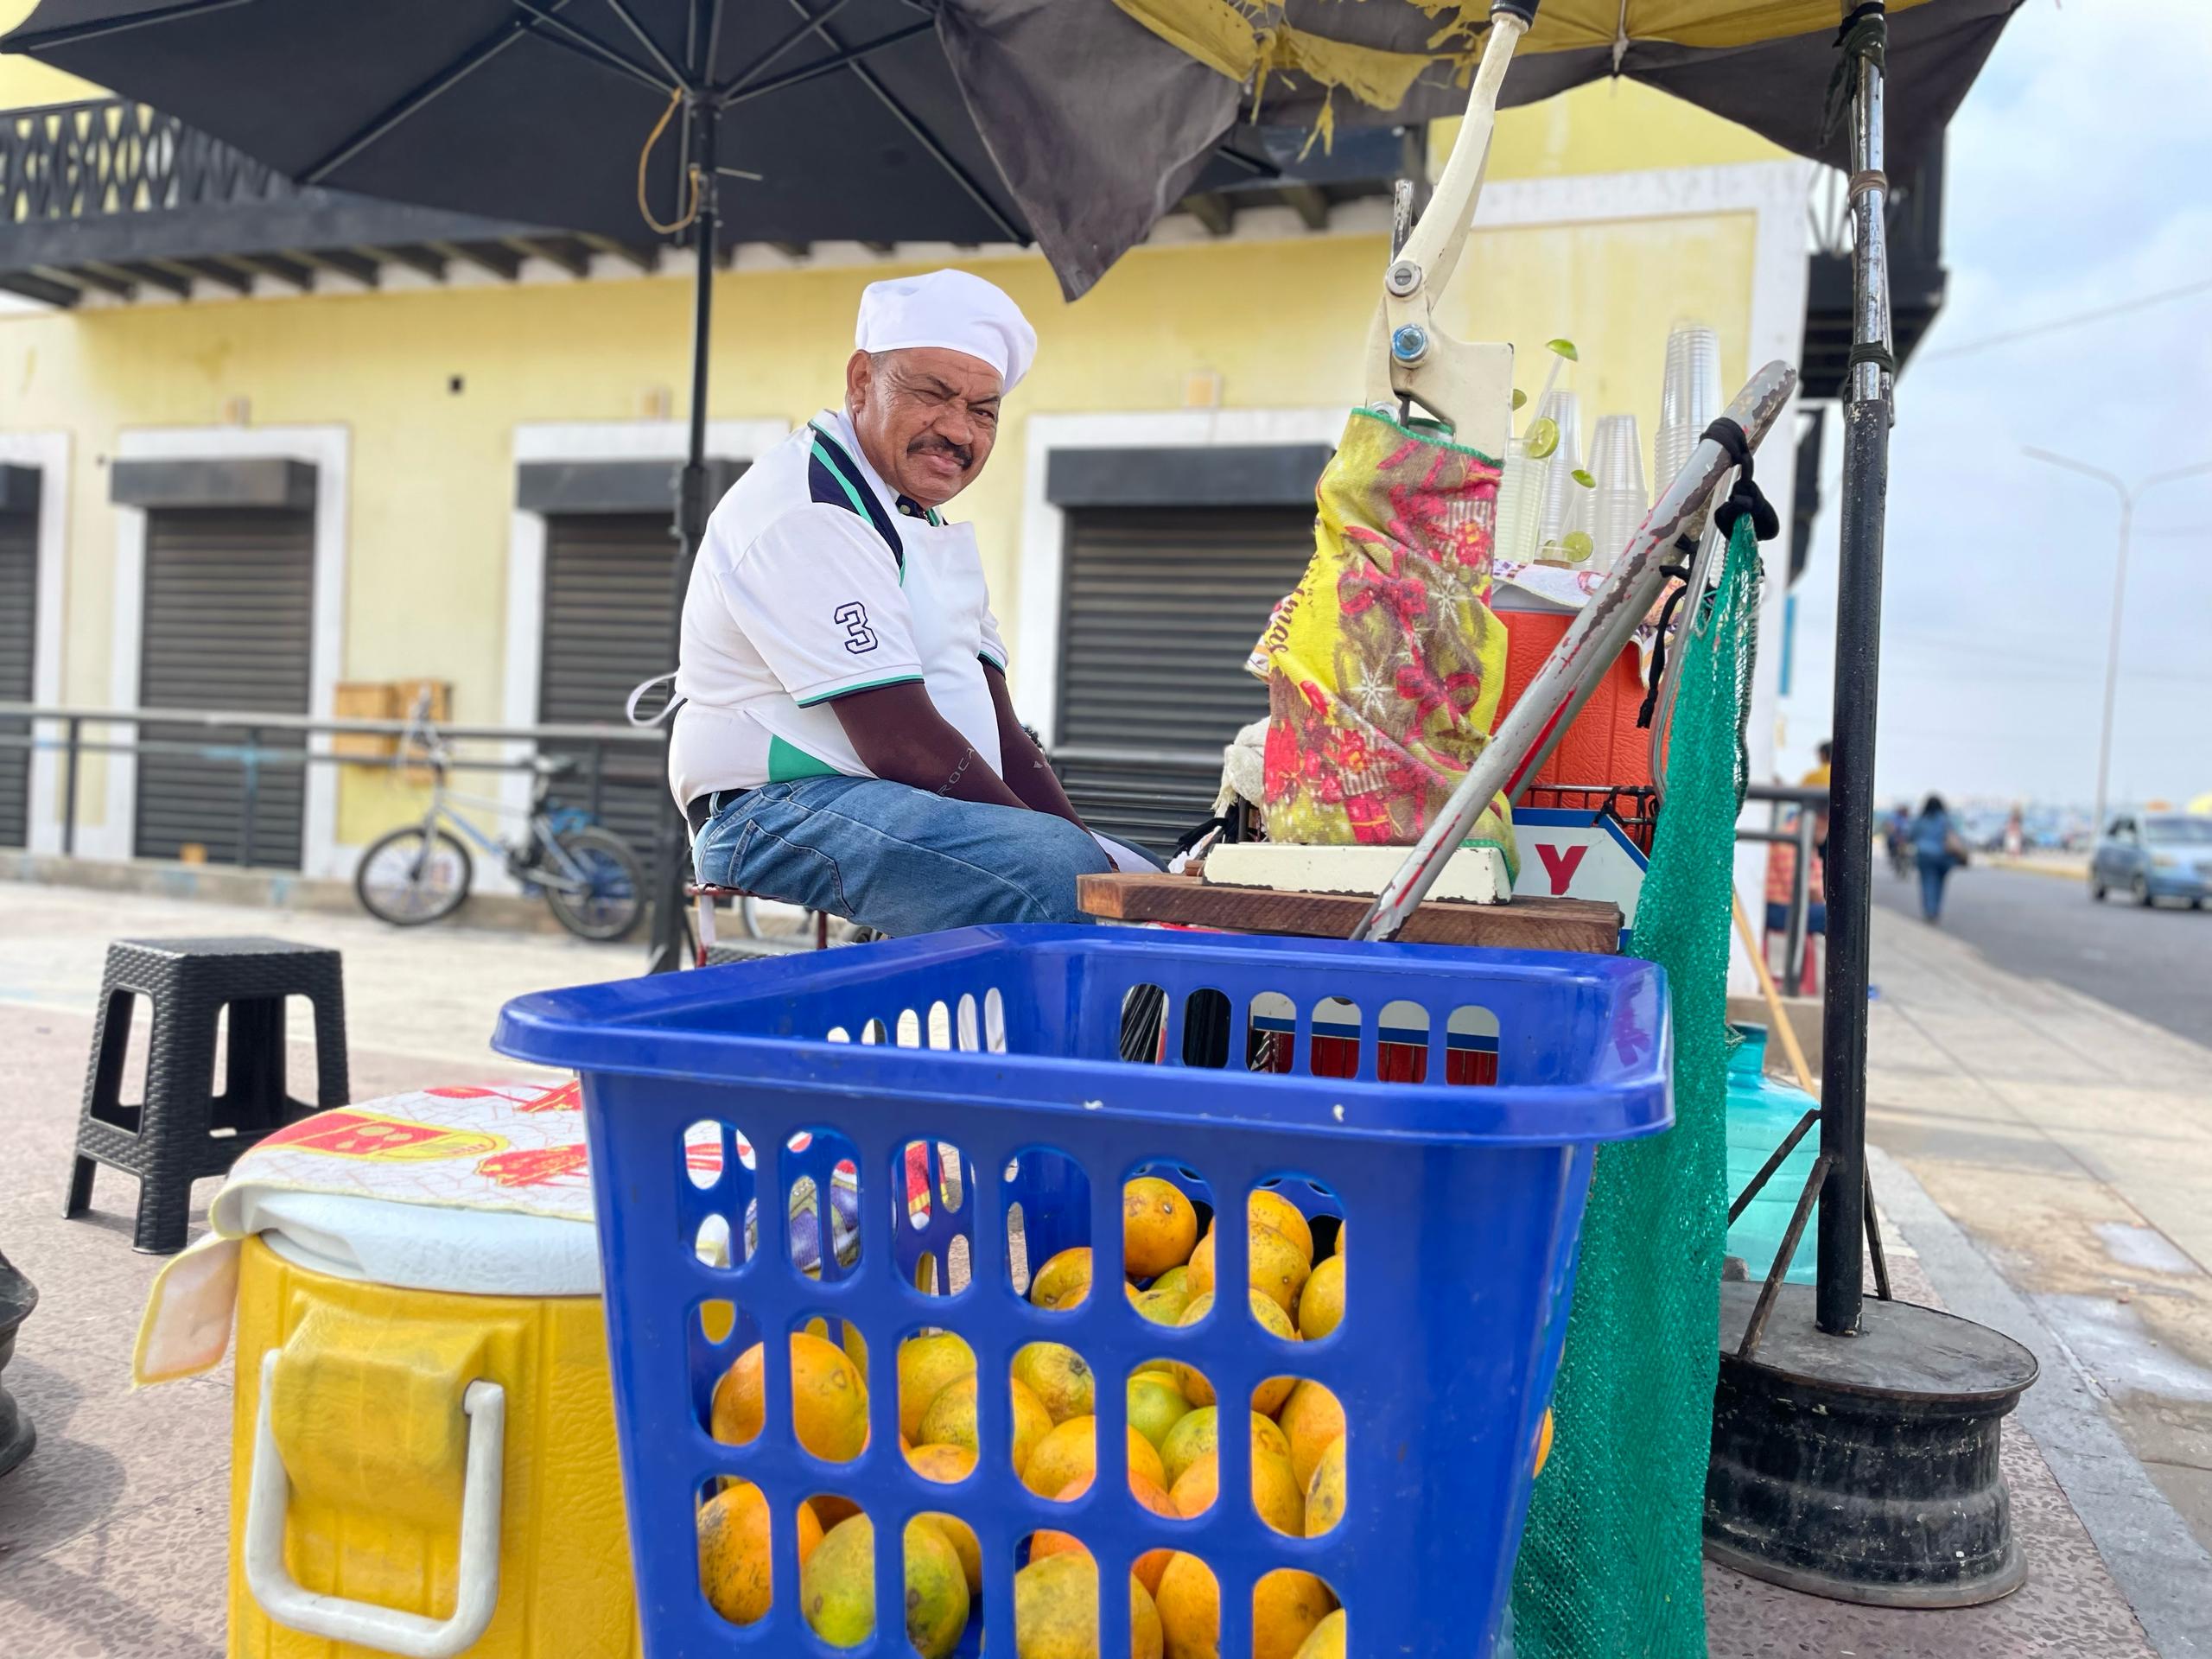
(1609, 1563)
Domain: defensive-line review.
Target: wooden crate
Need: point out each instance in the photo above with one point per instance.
(364, 700)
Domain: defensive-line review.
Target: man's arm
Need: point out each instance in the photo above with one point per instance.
(900, 737)
(1028, 774)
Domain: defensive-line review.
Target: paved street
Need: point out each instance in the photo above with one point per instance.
(2156, 965)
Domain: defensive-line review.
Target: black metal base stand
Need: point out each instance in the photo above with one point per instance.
(17, 1298)
(1865, 1469)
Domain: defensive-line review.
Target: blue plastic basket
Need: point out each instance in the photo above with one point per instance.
(1467, 1200)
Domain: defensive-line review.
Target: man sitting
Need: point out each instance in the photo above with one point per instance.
(845, 740)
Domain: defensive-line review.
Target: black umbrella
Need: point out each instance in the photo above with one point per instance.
(769, 120)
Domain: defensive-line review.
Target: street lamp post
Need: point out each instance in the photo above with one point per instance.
(2128, 498)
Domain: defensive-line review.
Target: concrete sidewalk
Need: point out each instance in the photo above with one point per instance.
(113, 1536)
(2069, 1143)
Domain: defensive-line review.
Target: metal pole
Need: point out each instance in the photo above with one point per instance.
(2128, 498)
(1858, 657)
(2111, 663)
(1800, 904)
(671, 851)
(69, 788)
(250, 807)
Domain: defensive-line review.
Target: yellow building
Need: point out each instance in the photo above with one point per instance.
(256, 445)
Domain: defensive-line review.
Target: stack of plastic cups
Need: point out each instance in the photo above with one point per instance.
(1520, 503)
(1689, 397)
(1616, 460)
(1565, 503)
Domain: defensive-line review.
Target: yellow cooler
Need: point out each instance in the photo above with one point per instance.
(423, 1456)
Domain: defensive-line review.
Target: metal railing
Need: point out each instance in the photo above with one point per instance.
(253, 753)
(1811, 801)
(108, 156)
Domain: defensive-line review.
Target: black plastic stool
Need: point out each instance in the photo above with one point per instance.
(185, 1129)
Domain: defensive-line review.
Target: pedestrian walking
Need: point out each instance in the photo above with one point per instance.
(1938, 850)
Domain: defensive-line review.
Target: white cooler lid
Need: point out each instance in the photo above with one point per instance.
(482, 1190)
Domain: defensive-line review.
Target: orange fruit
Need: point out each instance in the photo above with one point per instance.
(926, 1363)
(940, 1588)
(1310, 1419)
(1325, 1492)
(1032, 1423)
(965, 1545)
(951, 1418)
(1197, 1273)
(1056, 1611)
(1274, 1264)
(833, 1510)
(1288, 1607)
(1072, 1450)
(1279, 1266)
(1543, 1443)
(829, 1400)
(1064, 1280)
(945, 1463)
(1268, 1208)
(1327, 1641)
(1057, 1375)
(1156, 1405)
(1268, 1396)
(1190, 1609)
(1148, 1567)
(837, 1587)
(1274, 1490)
(733, 1563)
(1321, 1304)
(1162, 1304)
(809, 1532)
(1159, 1227)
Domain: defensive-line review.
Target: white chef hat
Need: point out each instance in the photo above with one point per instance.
(952, 310)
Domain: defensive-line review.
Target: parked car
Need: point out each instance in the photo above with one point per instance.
(2155, 855)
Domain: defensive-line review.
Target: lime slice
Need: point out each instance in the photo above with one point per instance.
(1564, 348)
(1543, 436)
(1520, 397)
(1583, 479)
(1576, 546)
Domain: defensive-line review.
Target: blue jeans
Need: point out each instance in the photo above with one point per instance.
(1934, 872)
(895, 858)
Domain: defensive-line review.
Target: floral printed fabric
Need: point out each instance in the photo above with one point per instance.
(1385, 665)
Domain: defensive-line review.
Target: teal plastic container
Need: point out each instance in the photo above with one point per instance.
(1762, 1110)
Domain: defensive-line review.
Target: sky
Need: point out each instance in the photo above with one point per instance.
(2080, 177)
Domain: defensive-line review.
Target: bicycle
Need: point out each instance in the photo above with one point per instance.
(421, 872)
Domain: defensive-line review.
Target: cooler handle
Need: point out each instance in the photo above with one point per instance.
(387, 1629)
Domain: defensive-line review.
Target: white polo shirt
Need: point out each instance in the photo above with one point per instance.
(812, 583)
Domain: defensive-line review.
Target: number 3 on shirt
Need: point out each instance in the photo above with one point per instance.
(859, 636)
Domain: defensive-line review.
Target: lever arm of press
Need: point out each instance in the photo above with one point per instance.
(1468, 386)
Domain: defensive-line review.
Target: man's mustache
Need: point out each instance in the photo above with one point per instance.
(930, 444)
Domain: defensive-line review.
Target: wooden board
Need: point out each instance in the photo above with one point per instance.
(1526, 923)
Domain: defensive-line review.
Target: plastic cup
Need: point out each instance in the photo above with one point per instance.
(1616, 454)
(1520, 504)
(1689, 397)
(1561, 491)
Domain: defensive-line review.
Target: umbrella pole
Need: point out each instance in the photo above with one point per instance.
(671, 851)
(1867, 416)
(1886, 1417)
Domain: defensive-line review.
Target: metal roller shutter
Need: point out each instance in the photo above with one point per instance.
(1159, 607)
(229, 624)
(18, 637)
(607, 613)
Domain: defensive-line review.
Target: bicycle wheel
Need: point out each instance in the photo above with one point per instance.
(594, 883)
(409, 877)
